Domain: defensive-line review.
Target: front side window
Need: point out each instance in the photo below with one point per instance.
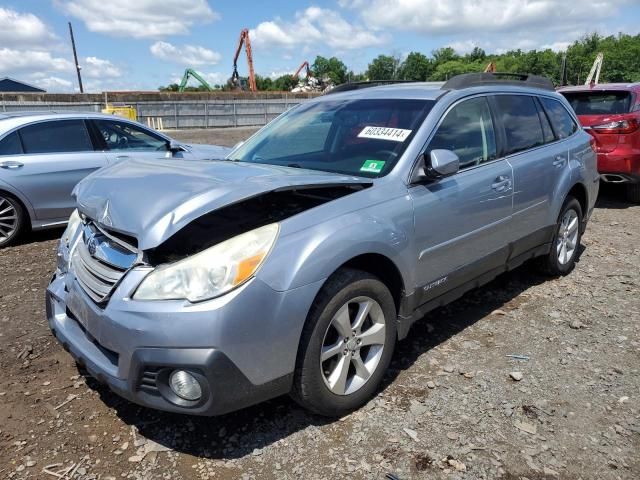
(521, 122)
(120, 136)
(563, 124)
(60, 136)
(362, 137)
(467, 130)
(10, 145)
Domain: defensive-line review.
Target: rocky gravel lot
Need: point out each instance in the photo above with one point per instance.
(527, 378)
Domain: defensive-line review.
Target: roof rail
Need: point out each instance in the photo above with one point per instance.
(479, 79)
(346, 87)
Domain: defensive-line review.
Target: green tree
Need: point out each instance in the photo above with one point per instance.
(443, 55)
(332, 68)
(285, 83)
(415, 67)
(383, 67)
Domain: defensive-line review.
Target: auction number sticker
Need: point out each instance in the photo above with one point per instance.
(372, 166)
(385, 133)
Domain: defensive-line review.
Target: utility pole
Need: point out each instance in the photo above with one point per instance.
(75, 58)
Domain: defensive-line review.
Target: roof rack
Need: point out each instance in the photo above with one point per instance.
(480, 79)
(346, 87)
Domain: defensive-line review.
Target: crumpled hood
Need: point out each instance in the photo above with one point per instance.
(153, 199)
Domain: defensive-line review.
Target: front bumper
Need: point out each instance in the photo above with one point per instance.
(242, 345)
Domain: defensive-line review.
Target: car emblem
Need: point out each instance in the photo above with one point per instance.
(92, 245)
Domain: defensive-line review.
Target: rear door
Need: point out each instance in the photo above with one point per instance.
(536, 160)
(54, 156)
(462, 221)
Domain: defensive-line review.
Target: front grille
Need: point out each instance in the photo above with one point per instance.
(99, 263)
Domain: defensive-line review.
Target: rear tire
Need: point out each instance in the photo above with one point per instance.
(12, 220)
(346, 344)
(561, 259)
(633, 192)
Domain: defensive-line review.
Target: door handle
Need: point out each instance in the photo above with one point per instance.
(501, 183)
(11, 165)
(559, 161)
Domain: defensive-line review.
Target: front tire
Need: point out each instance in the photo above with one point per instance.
(346, 345)
(561, 259)
(12, 220)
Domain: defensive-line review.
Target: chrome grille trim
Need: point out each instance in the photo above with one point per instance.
(97, 277)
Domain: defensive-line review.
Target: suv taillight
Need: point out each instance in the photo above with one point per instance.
(618, 126)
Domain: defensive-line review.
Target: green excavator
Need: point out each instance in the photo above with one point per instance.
(188, 73)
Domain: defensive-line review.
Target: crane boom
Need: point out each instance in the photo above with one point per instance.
(305, 64)
(490, 68)
(595, 70)
(192, 73)
(235, 77)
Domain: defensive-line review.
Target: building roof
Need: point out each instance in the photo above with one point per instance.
(10, 85)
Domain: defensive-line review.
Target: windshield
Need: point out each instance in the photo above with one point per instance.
(599, 103)
(355, 137)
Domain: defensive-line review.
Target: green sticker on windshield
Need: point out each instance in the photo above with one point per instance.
(372, 166)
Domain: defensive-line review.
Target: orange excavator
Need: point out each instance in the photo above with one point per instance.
(304, 65)
(491, 68)
(235, 77)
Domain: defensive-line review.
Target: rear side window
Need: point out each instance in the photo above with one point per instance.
(10, 145)
(599, 103)
(521, 123)
(546, 126)
(563, 124)
(467, 130)
(58, 136)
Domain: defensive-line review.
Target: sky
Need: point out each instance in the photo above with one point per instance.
(143, 44)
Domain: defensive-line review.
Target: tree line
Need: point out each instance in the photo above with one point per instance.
(621, 64)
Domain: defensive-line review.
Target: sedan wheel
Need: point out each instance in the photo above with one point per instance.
(567, 240)
(10, 220)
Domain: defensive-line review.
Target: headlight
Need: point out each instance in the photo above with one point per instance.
(72, 227)
(211, 272)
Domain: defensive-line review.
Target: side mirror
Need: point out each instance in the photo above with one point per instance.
(174, 147)
(441, 163)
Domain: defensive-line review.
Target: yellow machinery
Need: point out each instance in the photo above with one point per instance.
(121, 111)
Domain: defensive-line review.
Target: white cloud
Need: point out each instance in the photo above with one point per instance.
(457, 16)
(31, 60)
(140, 18)
(54, 84)
(315, 26)
(98, 68)
(22, 29)
(190, 55)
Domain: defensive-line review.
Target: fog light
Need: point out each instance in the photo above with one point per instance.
(185, 385)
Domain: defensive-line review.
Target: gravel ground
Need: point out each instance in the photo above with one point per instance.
(454, 404)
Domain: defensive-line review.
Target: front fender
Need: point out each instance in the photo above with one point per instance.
(314, 253)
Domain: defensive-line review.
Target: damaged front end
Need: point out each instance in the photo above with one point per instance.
(211, 255)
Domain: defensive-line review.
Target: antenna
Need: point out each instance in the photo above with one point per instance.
(75, 58)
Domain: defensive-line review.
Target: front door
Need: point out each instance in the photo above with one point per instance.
(461, 222)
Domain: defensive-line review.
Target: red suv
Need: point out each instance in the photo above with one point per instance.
(610, 112)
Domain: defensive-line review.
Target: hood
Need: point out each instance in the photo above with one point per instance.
(209, 151)
(151, 199)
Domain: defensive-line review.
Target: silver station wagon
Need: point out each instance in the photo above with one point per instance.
(294, 266)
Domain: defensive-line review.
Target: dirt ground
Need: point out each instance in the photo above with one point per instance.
(450, 406)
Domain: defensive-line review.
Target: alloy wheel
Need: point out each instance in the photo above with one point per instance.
(8, 220)
(353, 345)
(567, 237)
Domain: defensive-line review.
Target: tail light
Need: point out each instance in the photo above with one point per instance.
(618, 126)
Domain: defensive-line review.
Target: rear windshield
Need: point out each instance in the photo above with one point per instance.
(599, 103)
(354, 137)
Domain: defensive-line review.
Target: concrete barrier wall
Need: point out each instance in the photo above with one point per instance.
(205, 113)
